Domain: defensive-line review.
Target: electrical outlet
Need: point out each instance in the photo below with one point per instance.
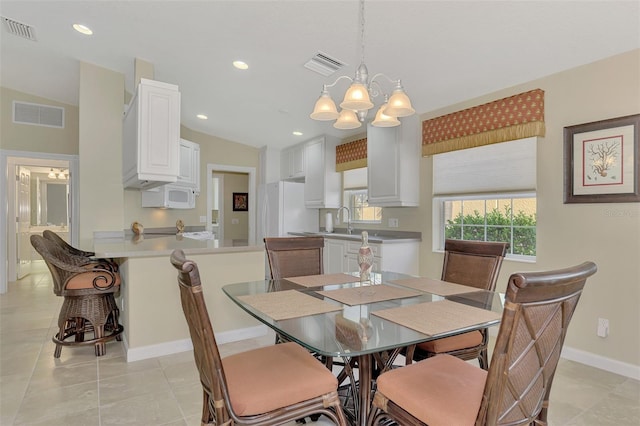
(203, 219)
(603, 327)
(393, 222)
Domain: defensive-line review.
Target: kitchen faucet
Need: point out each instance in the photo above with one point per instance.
(349, 228)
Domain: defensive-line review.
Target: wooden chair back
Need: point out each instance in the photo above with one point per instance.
(205, 348)
(473, 263)
(538, 308)
(294, 256)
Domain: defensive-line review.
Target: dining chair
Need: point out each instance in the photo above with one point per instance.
(294, 256)
(258, 387)
(475, 264)
(88, 287)
(445, 390)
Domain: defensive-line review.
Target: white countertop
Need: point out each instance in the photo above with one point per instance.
(163, 245)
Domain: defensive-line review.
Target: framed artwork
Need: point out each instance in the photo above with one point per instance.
(240, 201)
(601, 161)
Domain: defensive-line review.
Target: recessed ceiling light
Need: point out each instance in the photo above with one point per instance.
(202, 117)
(240, 65)
(297, 133)
(83, 29)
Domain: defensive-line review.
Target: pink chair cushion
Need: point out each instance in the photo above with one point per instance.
(275, 376)
(443, 390)
(448, 344)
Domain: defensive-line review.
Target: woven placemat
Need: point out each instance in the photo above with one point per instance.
(437, 317)
(281, 305)
(323, 279)
(368, 294)
(441, 288)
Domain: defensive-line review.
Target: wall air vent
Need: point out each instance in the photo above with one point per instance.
(324, 64)
(38, 115)
(19, 29)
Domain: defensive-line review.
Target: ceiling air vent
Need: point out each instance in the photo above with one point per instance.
(38, 115)
(19, 29)
(324, 64)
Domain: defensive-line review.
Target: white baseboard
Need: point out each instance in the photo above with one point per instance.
(176, 346)
(598, 361)
(601, 362)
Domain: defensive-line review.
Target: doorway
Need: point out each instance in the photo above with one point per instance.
(39, 190)
(217, 175)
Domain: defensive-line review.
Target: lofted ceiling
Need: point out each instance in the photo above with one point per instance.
(444, 51)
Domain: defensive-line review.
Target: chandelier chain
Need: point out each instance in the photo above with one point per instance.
(362, 31)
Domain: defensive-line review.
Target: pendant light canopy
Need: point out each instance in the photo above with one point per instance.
(357, 99)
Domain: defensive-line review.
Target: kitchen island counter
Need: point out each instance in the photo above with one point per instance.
(162, 245)
(149, 300)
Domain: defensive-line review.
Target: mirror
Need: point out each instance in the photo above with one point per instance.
(50, 199)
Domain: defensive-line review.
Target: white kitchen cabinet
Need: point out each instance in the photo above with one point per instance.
(334, 256)
(151, 136)
(189, 174)
(292, 165)
(393, 159)
(322, 185)
(342, 256)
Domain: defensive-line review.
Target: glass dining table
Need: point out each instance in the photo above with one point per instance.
(365, 324)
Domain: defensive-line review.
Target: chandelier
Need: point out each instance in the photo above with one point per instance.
(357, 100)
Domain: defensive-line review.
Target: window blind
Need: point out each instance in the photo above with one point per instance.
(503, 167)
(355, 178)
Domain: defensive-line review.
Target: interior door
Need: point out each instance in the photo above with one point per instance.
(23, 218)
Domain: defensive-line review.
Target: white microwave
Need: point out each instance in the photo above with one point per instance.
(169, 197)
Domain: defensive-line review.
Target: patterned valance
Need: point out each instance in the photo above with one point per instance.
(352, 155)
(516, 117)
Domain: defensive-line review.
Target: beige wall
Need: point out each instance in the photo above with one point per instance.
(100, 150)
(162, 320)
(24, 137)
(608, 234)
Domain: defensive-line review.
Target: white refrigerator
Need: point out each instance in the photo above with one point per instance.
(281, 210)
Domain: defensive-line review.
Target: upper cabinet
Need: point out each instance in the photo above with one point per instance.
(292, 163)
(151, 136)
(322, 185)
(189, 174)
(393, 158)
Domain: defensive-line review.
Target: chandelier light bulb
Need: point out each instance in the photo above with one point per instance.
(347, 120)
(399, 103)
(383, 120)
(357, 98)
(325, 109)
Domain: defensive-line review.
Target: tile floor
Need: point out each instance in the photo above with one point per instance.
(80, 389)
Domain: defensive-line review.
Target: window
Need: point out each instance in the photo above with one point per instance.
(487, 194)
(358, 203)
(511, 219)
(355, 196)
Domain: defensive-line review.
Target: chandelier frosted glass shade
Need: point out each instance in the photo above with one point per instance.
(347, 120)
(357, 98)
(51, 174)
(325, 109)
(383, 120)
(399, 104)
